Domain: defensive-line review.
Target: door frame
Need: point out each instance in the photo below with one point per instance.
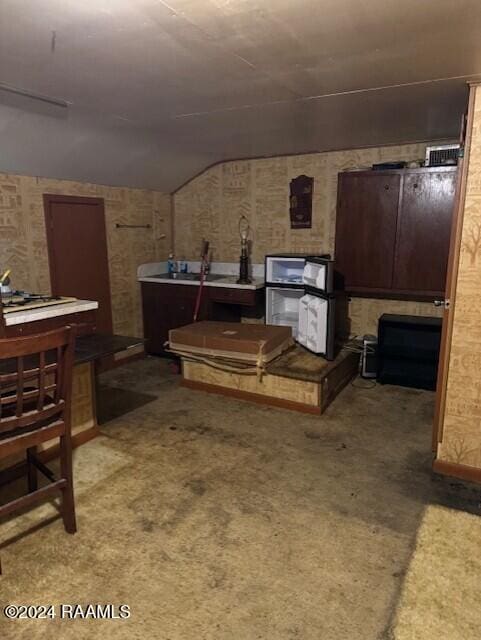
(452, 277)
(48, 199)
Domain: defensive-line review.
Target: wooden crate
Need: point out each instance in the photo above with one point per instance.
(307, 396)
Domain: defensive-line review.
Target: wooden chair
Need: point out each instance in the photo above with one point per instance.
(35, 398)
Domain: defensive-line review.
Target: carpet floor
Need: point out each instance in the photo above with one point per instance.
(440, 595)
(215, 519)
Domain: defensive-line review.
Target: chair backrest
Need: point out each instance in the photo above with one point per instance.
(36, 379)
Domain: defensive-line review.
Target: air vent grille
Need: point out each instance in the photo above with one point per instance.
(443, 155)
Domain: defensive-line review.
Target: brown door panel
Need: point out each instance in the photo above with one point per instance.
(366, 228)
(77, 247)
(424, 230)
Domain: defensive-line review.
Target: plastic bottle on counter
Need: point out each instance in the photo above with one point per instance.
(183, 266)
(171, 264)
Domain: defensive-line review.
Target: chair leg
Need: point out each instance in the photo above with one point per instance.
(68, 503)
(32, 475)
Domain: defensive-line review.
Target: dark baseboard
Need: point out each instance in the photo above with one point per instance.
(455, 470)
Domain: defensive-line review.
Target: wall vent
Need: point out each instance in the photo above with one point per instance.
(443, 155)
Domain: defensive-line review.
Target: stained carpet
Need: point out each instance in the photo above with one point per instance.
(215, 519)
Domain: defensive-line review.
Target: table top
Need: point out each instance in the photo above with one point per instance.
(97, 345)
(87, 349)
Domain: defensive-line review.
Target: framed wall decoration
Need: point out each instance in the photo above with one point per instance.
(300, 202)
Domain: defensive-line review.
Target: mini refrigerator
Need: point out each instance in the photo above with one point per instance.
(299, 294)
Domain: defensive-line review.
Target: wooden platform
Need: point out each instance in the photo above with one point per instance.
(296, 380)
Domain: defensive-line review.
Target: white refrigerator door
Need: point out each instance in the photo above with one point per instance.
(303, 319)
(319, 274)
(313, 323)
(315, 275)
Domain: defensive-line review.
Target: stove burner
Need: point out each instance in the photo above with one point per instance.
(20, 298)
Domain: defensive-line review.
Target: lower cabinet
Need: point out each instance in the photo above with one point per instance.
(168, 306)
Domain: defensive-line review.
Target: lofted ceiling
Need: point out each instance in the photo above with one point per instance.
(148, 93)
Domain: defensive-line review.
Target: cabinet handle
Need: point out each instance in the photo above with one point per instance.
(386, 186)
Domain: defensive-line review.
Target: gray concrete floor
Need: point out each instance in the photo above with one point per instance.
(233, 521)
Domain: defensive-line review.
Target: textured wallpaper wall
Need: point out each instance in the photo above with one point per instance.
(462, 422)
(23, 245)
(210, 205)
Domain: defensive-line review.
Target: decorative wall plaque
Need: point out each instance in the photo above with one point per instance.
(300, 202)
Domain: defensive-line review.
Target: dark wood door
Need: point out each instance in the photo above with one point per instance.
(424, 230)
(77, 250)
(366, 229)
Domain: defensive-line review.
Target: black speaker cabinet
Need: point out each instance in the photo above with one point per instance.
(408, 350)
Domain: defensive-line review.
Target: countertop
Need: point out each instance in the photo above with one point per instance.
(53, 311)
(221, 274)
(225, 281)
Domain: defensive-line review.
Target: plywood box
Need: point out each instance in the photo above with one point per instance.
(308, 396)
(255, 344)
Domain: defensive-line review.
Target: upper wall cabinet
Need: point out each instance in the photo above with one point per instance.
(393, 230)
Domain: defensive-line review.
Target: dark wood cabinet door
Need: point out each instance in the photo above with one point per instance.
(168, 306)
(366, 229)
(155, 328)
(424, 230)
(181, 305)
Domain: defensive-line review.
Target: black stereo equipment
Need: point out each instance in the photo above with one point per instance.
(369, 357)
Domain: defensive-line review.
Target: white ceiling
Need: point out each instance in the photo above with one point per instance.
(159, 90)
